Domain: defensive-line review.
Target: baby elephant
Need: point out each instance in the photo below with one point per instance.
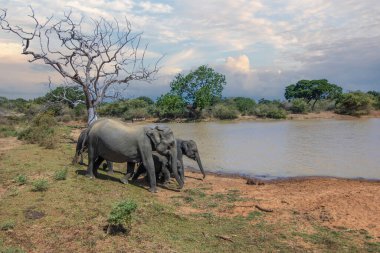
(184, 147)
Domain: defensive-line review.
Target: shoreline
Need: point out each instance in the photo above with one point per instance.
(273, 179)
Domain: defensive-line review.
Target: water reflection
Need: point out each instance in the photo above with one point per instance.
(288, 148)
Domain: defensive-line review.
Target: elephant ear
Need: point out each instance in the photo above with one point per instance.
(154, 135)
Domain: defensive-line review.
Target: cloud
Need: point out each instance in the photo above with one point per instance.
(239, 64)
(156, 7)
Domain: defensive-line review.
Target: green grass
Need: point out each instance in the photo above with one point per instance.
(79, 208)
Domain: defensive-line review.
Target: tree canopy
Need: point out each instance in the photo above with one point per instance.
(200, 87)
(312, 90)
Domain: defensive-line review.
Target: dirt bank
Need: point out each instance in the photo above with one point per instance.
(331, 202)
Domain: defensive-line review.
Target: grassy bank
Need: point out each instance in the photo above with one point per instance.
(70, 215)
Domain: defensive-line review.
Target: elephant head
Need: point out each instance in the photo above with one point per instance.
(165, 144)
(189, 148)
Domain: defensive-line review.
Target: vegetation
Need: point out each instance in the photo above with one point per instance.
(121, 215)
(170, 106)
(40, 185)
(60, 174)
(110, 54)
(42, 131)
(200, 88)
(7, 225)
(221, 111)
(299, 105)
(21, 179)
(245, 105)
(355, 103)
(312, 90)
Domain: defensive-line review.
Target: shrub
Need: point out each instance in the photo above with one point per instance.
(267, 110)
(42, 130)
(40, 185)
(170, 106)
(221, 111)
(355, 103)
(299, 106)
(60, 174)
(121, 216)
(7, 225)
(7, 131)
(245, 105)
(134, 113)
(21, 179)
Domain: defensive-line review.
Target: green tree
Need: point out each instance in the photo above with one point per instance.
(148, 100)
(70, 95)
(200, 87)
(170, 106)
(245, 105)
(313, 90)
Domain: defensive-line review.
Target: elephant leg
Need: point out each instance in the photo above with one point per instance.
(147, 160)
(92, 157)
(181, 169)
(139, 171)
(110, 167)
(97, 164)
(129, 174)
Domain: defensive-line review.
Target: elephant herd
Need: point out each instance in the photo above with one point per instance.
(154, 148)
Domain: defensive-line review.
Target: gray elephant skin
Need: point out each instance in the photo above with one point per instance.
(184, 147)
(115, 141)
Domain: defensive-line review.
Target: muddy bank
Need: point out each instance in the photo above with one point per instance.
(336, 203)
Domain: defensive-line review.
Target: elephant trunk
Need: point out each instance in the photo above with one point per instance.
(174, 161)
(198, 159)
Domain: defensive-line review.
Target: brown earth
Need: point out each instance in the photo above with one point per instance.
(331, 202)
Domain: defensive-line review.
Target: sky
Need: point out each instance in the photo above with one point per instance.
(260, 46)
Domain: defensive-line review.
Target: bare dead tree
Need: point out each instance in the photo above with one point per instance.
(101, 61)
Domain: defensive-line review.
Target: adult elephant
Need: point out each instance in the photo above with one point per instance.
(115, 141)
(184, 147)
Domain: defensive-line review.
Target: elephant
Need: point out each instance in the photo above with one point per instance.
(114, 141)
(82, 145)
(184, 147)
(188, 148)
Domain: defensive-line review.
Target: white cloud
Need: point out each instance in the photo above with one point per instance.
(239, 64)
(156, 7)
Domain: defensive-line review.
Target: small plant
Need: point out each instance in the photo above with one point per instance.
(224, 112)
(7, 225)
(21, 179)
(120, 218)
(40, 185)
(60, 174)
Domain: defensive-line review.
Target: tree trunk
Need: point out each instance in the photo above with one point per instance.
(92, 116)
(312, 107)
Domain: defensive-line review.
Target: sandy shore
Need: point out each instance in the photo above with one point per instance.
(336, 203)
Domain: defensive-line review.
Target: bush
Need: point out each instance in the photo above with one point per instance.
(21, 179)
(245, 105)
(7, 225)
(43, 131)
(134, 113)
(60, 174)
(355, 103)
(121, 216)
(170, 106)
(221, 111)
(40, 185)
(299, 106)
(7, 131)
(267, 110)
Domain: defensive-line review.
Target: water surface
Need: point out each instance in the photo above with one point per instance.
(338, 148)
